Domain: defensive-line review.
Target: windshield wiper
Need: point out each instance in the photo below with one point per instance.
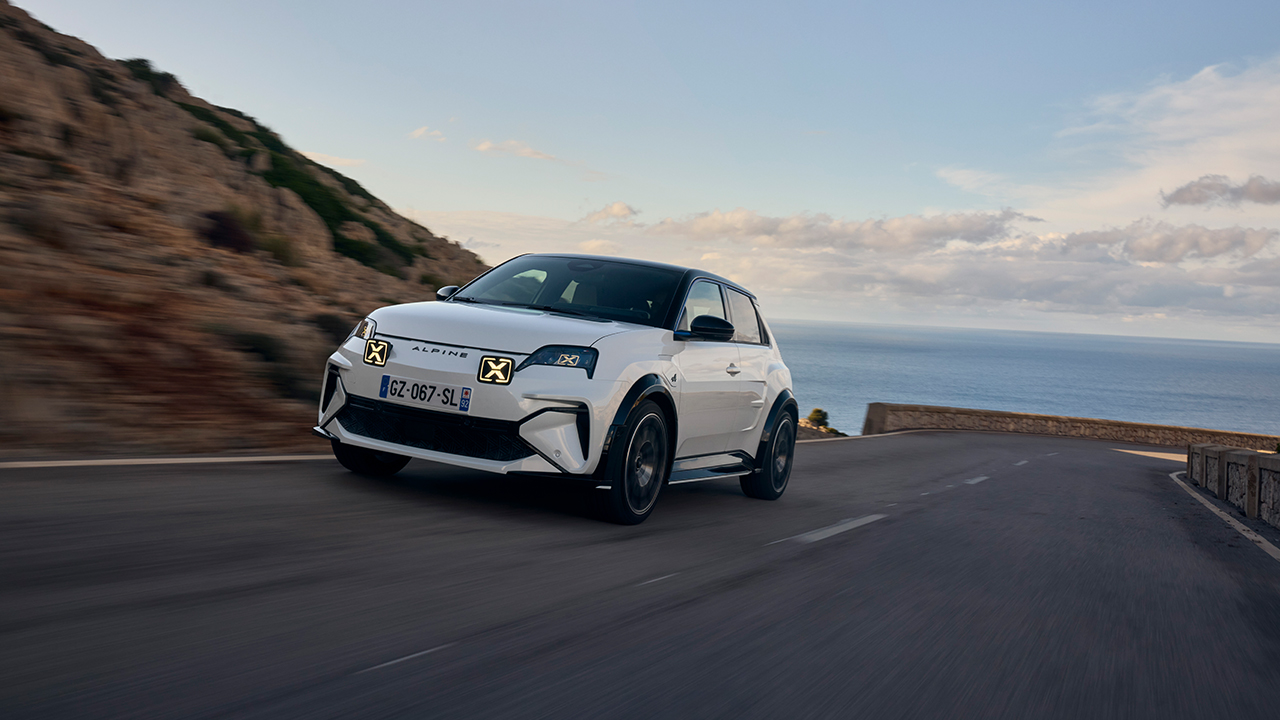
(455, 298)
(551, 308)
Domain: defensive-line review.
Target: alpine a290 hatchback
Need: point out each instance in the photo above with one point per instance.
(626, 374)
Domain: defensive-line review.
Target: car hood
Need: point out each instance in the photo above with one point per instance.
(488, 327)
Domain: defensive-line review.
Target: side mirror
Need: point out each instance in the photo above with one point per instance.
(446, 292)
(710, 327)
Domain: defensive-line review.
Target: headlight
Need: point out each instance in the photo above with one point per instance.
(564, 356)
(364, 330)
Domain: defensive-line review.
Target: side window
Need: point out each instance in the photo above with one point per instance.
(745, 323)
(704, 299)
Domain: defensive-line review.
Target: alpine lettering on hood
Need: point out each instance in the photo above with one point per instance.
(506, 329)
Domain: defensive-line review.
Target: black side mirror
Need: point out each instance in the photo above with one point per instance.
(710, 327)
(446, 292)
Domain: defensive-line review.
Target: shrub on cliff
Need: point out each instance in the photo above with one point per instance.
(819, 417)
(227, 231)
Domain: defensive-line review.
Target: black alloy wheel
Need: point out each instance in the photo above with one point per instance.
(770, 481)
(639, 468)
(371, 463)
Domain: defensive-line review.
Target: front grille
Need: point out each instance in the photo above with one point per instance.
(438, 432)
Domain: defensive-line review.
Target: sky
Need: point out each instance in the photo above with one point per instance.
(1093, 167)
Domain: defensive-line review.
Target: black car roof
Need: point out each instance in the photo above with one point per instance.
(689, 273)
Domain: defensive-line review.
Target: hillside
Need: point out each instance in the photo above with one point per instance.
(174, 274)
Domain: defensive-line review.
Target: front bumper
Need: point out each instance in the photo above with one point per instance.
(547, 420)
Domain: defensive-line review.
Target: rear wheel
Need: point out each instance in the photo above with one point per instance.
(775, 467)
(363, 461)
(636, 473)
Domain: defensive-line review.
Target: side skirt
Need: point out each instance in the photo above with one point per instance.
(710, 467)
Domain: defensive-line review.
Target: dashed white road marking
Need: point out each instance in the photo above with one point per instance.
(1051, 454)
(1250, 535)
(1020, 462)
(924, 493)
(124, 462)
(975, 481)
(664, 577)
(826, 532)
(407, 657)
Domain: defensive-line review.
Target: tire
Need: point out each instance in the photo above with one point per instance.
(638, 467)
(775, 467)
(371, 463)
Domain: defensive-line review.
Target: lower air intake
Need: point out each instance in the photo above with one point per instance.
(438, 432)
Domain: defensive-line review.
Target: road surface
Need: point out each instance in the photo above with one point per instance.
(918, 575)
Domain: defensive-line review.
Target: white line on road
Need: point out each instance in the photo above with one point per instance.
(664, 577)
(1250, 535)
(407, 657)
(1051, 454)
(1020, 462)
(826, 532)
(25, 464)
(975, 481)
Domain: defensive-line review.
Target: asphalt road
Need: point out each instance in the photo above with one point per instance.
(1081, 583)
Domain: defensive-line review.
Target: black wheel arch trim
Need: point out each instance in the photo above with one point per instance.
(643, 389)
(785, 401)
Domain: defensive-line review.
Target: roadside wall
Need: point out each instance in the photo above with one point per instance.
(1247, 479)
(886, 417)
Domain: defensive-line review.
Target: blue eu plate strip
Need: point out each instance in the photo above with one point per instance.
(386, 380)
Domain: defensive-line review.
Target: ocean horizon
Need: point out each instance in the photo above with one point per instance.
(1220, 385)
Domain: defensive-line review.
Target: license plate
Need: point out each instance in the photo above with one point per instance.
(432, 395)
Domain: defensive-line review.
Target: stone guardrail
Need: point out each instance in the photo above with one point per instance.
(886, 417)
(1248, 480)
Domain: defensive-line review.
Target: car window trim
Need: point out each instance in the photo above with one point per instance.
(756, 311)
(724, 304)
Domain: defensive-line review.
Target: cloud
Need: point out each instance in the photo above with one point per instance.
(519, 149)
(600, 247)
(427, 132)
(512, 147)
(1218, 190)
(900, 234)
(331, 160)
(1145, 241)
(611, 213)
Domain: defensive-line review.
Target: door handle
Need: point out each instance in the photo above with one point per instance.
(732, 369)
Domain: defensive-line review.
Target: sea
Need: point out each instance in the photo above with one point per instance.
(841, 367)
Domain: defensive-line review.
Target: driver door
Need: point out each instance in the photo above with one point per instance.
(708, 388)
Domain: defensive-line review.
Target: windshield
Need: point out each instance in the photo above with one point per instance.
(578, 286)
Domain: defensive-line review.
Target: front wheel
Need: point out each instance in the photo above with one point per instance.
(636, 474)
(363, 461)
(775, 467)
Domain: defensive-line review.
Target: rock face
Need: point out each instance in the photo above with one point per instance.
(172, 275)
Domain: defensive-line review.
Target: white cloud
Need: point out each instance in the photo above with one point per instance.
(600, 247)
(331, 160)
(901, 234)
(427, 132)
(970, 268)
(612, 213)
(1146, 241)
(1218, 190)
(512, 147)
(519, 149)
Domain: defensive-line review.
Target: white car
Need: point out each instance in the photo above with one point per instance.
(624, 373)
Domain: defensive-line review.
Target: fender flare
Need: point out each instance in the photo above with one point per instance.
(784, 402)
(641, 390)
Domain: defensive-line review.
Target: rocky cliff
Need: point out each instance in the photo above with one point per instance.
(172, 274)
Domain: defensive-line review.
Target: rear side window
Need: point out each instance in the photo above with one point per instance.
(745, 323)
(704, 299)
